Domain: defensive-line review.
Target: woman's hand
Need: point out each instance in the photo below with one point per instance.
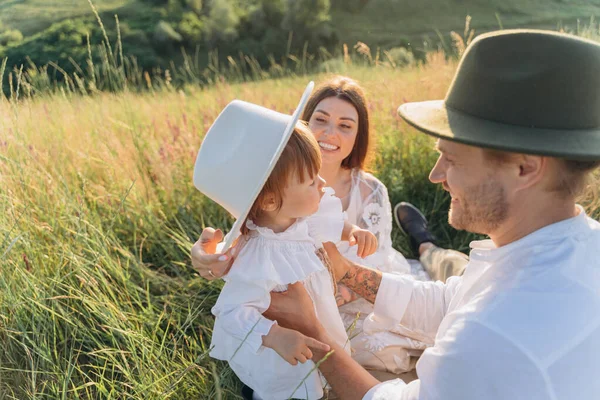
(204, 260)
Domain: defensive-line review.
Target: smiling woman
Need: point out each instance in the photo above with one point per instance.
(335, 126)
(338, 116)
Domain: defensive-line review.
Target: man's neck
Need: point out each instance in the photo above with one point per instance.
(526, 220)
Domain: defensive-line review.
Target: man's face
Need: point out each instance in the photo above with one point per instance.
(476, 185)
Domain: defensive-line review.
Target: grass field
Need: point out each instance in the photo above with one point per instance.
(97, 215)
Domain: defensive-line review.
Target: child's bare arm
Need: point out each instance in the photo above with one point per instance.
(366, 240)
(347, 231)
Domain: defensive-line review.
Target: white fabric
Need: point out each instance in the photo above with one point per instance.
(522, 323)
(369, 208)
(270, 261)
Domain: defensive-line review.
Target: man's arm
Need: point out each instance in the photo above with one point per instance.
(294, 309)
(347, 378)
(418, 306)
(363, 281)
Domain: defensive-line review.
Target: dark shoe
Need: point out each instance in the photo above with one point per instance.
(247, 392)
(414, 224)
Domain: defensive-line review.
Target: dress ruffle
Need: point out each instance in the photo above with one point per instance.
(275, 262)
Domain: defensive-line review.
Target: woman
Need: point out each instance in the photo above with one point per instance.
(338, 116)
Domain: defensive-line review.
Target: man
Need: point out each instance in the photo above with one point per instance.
(519, 133)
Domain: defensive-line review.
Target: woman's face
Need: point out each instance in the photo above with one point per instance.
(335, 125)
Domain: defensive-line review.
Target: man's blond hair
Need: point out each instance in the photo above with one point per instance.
(571, 180)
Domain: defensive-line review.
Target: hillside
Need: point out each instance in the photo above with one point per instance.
(376, 22)
(384, 22)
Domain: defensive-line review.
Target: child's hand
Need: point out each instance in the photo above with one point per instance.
(291, 345)
(367, 242)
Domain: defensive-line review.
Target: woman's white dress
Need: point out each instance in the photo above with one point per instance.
(269, 262)
(385, 350)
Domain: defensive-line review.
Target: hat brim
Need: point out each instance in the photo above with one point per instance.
(441, 121)
(234, 233)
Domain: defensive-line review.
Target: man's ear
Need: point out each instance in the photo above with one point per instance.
(532, 170)
(268, 202)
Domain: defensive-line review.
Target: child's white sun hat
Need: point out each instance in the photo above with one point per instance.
(239, 152)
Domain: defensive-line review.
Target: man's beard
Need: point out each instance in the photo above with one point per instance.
(481, 209)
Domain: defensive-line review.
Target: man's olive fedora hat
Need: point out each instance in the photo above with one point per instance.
(525, 91)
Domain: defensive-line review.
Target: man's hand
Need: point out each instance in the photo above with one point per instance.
(361, 280)
(339, 263)
(295, 310)
(291, 345)
(204, 260)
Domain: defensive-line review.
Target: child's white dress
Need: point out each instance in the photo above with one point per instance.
(269, 262)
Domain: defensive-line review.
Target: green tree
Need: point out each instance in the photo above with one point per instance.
(11, 37)
(165, 36)
(194, 5)
(58, 43)
(222, 22)
(192, 28)
(309, 20)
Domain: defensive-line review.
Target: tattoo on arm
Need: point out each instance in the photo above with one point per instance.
(344, 295)
(363, 281)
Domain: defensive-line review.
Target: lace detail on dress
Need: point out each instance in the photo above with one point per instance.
(369, 208)
(373, 216)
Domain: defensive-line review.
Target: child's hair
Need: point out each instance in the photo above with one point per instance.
(301, 156)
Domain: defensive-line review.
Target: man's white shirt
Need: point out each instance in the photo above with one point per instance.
(523, 322)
